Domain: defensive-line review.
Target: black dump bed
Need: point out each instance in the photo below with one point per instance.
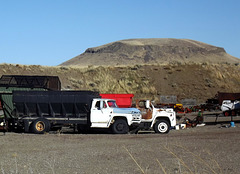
(53, 104)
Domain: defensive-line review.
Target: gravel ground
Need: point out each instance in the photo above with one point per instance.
(207, 149)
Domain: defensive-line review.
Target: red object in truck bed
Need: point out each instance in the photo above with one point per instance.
(122, 100)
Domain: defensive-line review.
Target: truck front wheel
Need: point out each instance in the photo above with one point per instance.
(162, 126)
(120, 126)
(39, 126)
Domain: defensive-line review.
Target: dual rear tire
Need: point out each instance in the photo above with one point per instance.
(40, 126)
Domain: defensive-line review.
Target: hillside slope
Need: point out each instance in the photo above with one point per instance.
(198, 81)
(152, 51)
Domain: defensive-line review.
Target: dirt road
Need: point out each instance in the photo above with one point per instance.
(208, 149)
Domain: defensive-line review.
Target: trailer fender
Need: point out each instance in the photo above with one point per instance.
(26, 125)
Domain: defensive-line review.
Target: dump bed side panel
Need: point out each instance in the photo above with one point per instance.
(54, 104)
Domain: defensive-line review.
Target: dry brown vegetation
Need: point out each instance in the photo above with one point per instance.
(197, 80)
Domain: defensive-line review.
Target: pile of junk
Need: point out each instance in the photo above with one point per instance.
(190, 123)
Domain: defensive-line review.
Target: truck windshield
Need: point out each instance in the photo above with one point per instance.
(112, 104)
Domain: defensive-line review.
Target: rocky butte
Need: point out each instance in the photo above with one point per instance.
(152, 51)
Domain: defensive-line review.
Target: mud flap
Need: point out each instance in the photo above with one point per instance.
(26, 125)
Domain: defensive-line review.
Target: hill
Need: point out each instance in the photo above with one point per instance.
(148, 68)
(198, 81)
(152, 51)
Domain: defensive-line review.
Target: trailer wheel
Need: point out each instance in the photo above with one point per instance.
(40, 125)
(120, 126)
(162, 126)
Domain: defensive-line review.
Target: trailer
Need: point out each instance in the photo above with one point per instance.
(221, 96)
(10, 83)
(39, 111)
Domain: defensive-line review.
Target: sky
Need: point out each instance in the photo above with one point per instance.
(50, 32)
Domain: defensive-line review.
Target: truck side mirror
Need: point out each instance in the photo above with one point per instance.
(147, 104)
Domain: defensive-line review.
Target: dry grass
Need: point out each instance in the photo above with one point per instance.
(195, 80)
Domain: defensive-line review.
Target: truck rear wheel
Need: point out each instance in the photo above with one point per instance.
(162, 126)
(40, 125)
(120, 126)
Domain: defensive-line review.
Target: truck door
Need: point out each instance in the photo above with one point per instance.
(100, 115)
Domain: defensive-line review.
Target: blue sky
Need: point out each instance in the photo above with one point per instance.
(49, 32)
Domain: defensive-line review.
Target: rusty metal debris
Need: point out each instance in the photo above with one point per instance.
(194, 122)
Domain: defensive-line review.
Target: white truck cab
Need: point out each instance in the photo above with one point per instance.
(158, 119)
(105, 113)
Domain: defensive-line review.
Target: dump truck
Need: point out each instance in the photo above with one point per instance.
(158, 119)
(39, 111)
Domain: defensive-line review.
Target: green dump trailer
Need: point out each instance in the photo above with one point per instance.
(10, 83)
